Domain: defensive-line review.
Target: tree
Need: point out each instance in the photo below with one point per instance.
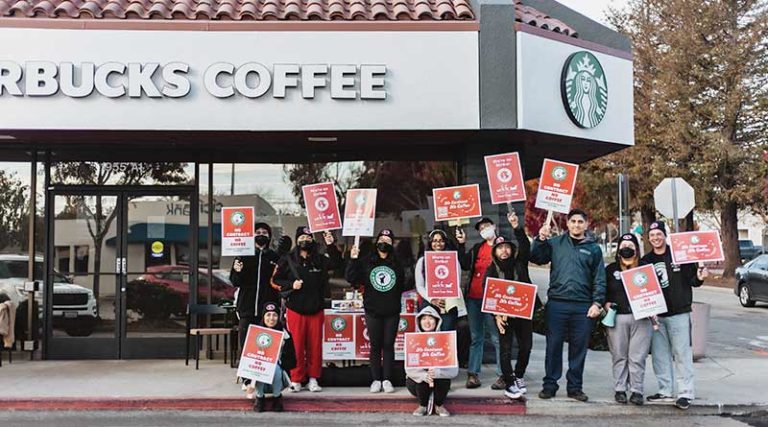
(14, 211)
(342, 174)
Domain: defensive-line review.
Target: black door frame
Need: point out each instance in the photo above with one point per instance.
(122, 347)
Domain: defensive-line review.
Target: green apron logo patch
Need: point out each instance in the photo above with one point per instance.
(584, 89)
(383, 278)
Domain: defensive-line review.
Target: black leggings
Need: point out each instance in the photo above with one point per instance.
(442, 386)
(382, 332)
(523, 330)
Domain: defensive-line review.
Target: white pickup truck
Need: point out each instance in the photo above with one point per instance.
(74, 307)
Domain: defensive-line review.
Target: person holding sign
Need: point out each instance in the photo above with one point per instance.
(302, 277)
(381, 276)
(510, 262)
(450, 308)
(271, 319)
(477, 261)
(575, 297)
(673, 338)
(435, 381)
(629, 340)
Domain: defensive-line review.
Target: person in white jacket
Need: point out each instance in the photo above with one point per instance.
(450, 308)
(427, 381)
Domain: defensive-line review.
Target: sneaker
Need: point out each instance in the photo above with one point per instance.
(546, 394)
(513, 392)
(313, 386)
(420, 411)
(295, 387)
(472, 381)
(258, 405)
(440, 410)
(658, 397)
(620, 397)
(578, 395)
(277, 404)
(387, 386)
(375, 386)
(636, 399)
(683, 403)
(520, 383)
(500, 384)
(250, 392)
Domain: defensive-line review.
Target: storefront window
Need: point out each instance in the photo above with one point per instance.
(121, 173)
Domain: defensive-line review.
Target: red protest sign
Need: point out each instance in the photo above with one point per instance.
(237, 231)
(556, 186)
(643, 291)
(362, 340)
(339, 337)
(453, 203)
(505, 178)
(509, 298)
(359, 212)
(442, 274)
(261, 353)
(696, 246)
(406, 325)
(431, 350)
(322, 207)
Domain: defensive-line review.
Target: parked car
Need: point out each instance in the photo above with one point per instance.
(74, 307)
(752, 281)
(748, 250)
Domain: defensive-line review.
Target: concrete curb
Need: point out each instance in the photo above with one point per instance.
(562, 407)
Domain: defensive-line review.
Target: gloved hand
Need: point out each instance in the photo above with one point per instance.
(284, 245)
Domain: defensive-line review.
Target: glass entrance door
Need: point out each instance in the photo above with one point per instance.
(119, 272)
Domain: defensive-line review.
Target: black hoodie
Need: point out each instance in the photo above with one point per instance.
(313, 271)
(254, 282)
(677, 281)
(288, 353)
(382, 280)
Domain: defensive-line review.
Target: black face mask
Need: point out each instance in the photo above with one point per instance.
(262, 240)
(307, 245)
(384, 247)
(627, 253)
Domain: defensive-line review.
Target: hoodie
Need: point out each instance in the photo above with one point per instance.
(253, 282)
(419, 375)
(313, 271)
(382, 280)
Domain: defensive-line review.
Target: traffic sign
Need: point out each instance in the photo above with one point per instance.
(674, 198)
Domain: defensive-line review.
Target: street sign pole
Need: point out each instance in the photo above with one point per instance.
(624, 214)
(674, 205)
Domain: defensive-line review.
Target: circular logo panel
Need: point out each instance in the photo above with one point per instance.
(504, 175)
(442, 272)
(382, 278)
(640, 280)
(321, 203)
(237, 218)
(431, 341)
(263, 340)
(584, 89)
(510, 290)
(402, 325)
(338, 324)
(559, 173)
(695, 240)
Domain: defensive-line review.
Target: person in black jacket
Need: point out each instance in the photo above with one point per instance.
(302, 277)
(673, 338)
(382, 278)
(629, 340)
(271, 319)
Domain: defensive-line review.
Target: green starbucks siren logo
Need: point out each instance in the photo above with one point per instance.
(584, 89)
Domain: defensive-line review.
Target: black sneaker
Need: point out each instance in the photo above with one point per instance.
(636, 399)
(658, 397)
(578, 395)
(683, 403)
(620, 397)
(546, 394)
(277, 404)
(258, 405)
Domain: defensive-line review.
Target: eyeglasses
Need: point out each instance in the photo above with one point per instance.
(438, 241)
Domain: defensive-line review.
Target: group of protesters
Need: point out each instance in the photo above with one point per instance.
(285, 289)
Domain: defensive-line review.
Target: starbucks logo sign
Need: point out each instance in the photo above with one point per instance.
(338, 324)
(263, 340)
(640, 280)
(559, 173)
(382, 278)
(237, 218)
(402, 325)
(584, 90)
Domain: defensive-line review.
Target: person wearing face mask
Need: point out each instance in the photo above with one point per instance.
(672, 355)
(477, 261)
(575, 297)
(629, 340)
(251, 276)
(510, 262)
(271, 319)
(450, 309)
(302, 277)
(381, 276)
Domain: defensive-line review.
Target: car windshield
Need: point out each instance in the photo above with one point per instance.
(18, 269)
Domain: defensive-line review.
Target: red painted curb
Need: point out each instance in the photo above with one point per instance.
(293, 404)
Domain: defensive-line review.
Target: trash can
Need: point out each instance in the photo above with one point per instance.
(699, 328)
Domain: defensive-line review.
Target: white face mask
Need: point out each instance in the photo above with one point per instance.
(488, 233)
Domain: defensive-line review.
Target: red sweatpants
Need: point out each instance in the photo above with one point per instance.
(307, 333)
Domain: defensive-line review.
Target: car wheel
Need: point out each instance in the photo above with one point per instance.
(745, 297)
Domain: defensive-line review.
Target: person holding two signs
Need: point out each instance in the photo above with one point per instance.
(381, 275)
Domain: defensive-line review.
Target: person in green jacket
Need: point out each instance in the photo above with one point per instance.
(576, 294)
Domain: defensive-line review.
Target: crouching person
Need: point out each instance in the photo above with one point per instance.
(271, 319)
(428, 381)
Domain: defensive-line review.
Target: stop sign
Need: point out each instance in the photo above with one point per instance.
(671, 190)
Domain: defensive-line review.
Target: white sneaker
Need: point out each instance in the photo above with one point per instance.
(295, 387)
(313, 386)
(440, 410)
(375, 386)
(420, 411)
(513, 392)
(520, 383)
(250, 391)
(387, 385)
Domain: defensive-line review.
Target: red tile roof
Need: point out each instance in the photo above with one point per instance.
(531, 16)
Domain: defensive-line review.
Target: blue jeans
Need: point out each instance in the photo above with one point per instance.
(673, 340)
(277, 384)
(566, 320)
(479, 323)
